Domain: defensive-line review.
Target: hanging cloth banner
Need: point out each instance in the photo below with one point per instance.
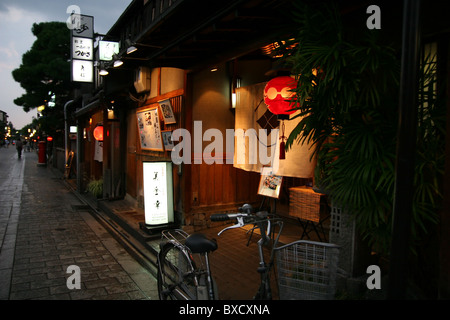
(251, 116)
(98, 152)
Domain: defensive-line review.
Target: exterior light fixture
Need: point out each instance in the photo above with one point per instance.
(236, 83)
(133, 46)
(101, 68)
(131, 49)
(277, 96)
(117, 61)
(98, 133)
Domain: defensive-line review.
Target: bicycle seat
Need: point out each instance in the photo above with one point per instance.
(199, 243)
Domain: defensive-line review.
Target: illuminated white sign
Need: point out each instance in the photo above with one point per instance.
(82, 71)
(107, 49)
(158, 193)
(82, 48)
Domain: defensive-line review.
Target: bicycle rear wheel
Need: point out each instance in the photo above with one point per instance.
(176, 274)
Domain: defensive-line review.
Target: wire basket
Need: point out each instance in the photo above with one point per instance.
(304, 203)
(307, 270)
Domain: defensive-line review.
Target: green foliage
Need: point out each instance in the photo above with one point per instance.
(45, 71)
(95, 187)
(348, 87)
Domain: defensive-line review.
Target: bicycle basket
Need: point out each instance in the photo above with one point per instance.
(307, 270)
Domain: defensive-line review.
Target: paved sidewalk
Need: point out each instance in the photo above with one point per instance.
(45, 229)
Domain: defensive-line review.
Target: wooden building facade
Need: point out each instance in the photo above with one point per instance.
(192, 52)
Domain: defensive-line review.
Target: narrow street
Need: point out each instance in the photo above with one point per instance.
(45, 228)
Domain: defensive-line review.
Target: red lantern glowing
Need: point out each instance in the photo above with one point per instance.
(277, 94)
(98, 133)
(49, 139)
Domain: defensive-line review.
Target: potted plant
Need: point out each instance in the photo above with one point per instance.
(347, 91)
(95, 187)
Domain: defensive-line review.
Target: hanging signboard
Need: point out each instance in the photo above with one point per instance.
(85, 27)
(107, 49)
(82, 48)
(82, 71)
(158, 193)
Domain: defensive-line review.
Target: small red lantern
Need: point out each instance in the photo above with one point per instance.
(98, 133)
(277, 93)
(49, 138)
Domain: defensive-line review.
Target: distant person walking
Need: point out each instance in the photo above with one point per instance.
(19, 147)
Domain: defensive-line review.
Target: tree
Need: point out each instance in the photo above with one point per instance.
(45, 73)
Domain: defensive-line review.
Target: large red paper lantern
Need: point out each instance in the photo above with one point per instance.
(98, 133)
(277, 94)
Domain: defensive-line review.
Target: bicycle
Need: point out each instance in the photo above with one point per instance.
(184, 271)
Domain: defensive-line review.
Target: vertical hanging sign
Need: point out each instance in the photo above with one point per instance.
(82, 49)
(158, 193)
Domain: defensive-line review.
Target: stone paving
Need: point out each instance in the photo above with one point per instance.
(44, 229)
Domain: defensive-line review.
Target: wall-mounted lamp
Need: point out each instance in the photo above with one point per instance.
(130, 46)
(102, 70)
(133, 46)
(131, 49)
(117, 61)
(236, 83)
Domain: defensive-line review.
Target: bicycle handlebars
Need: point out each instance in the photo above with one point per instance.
(221, 216)
(244, 211)
(229, 216)
(245, 216)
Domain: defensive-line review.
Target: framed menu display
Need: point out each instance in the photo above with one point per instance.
(158, 193)
(149, 129)
(269, 184)
(167, 111)
(167, 140)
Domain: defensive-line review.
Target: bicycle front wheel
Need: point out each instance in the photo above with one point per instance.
(176, 274)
